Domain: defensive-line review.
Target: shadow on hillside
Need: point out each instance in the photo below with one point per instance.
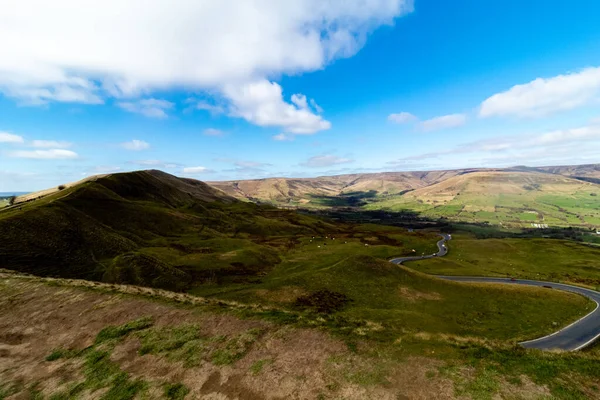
(413, 220)
(350, 199)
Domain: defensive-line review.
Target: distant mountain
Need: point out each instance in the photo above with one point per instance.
(309, 191)
(509, 197)
(586, 170)
(319, 191)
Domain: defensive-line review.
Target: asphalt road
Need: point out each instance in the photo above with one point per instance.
(575, 336)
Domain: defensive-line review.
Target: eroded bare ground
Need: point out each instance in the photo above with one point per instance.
(278, 362)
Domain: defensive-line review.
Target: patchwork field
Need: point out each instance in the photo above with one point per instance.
(510, 200)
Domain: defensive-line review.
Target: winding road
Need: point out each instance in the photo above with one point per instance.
(575, 336)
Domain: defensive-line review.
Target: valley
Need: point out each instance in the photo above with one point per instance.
(519, 197)
(151, 269)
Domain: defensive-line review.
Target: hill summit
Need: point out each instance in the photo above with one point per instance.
(122, 228)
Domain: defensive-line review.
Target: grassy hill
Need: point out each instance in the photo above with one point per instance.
(329, 190)
(152, 229)
(247, 286)
(513, 197)
(89, 229)
(509, 198)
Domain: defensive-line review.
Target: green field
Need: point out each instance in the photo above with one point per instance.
(512, 210)
(541, 259)
(396, 299)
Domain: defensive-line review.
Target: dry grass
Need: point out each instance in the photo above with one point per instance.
(294, 363)
(414, 295)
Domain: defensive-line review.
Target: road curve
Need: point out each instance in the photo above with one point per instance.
(575, 336)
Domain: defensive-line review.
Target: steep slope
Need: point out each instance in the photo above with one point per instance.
(118, 228)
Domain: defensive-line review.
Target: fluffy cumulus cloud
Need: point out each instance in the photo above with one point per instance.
(542, 97)
(443, 122)
(135, 145)
(326, 160)
(402, 118)
(262, 103)
(52, 154)
(6, 137)
(69, 51)
(153, 108)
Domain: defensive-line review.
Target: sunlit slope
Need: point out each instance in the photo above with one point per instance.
(317, 191)
(505, 197)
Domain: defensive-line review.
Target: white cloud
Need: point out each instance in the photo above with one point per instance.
(567, 135)
(213, 109)
(123, 48)
(135, 145)
(531, 148)
(402, 118)
(153, 108)
(325, 161)
(282, 137)
(6, 137)
(261, 103)
(197, 170)
(315, 106)
(300, 101)
(542, 97)
(444, 122)
(213, 132)
(52, 154)
(50, 144)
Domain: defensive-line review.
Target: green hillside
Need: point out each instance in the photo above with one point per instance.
(510, 199)
(86, 231)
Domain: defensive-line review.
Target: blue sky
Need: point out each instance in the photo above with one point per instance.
(250, 89)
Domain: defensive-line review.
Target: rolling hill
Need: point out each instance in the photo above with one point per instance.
(146, 227)
(511, 198)
(517, 196)
(317, 191)
(258, 280)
